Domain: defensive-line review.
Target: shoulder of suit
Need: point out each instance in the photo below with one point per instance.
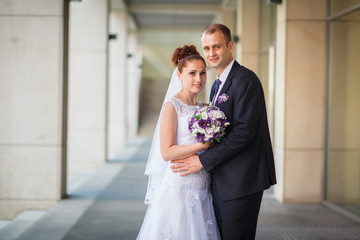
(243, 72)
(237, 66)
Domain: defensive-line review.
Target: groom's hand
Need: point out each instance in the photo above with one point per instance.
(188, 165)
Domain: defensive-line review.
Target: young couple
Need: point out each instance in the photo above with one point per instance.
(217, 194)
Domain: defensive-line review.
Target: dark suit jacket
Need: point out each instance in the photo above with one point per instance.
(242, 163)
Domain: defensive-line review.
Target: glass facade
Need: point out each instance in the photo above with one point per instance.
(342, 183)
(267, 40)
(337, 6)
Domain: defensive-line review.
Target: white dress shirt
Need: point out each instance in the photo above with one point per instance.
(223, 77)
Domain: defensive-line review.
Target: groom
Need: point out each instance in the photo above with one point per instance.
(242, 164)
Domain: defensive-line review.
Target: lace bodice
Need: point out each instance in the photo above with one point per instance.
(189, 185)
(184, 112)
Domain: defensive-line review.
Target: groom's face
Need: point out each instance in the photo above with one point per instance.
(218, 54)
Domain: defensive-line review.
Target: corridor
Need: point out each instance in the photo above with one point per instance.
(107, 204)
(78, 79)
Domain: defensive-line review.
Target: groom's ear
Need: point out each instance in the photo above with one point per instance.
(178, 74)
(231, 46)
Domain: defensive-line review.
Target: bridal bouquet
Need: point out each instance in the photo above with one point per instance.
(208, 123)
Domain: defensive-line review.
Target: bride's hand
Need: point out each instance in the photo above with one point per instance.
(207, 145)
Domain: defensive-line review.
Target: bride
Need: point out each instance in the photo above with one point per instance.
(178, 207)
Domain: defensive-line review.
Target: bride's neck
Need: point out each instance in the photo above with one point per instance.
(187, 97)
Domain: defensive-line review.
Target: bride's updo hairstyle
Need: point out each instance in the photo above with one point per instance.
(185, 54)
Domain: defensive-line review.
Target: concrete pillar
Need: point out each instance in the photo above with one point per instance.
(226, 16)
(118, 83)
(33, 60)
(238, 30)
(87, 84)
(133, 83)
(247, 27)
(300, 100)
(228, 19)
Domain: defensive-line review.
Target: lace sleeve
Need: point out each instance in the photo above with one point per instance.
(181, 108)
(175, 103)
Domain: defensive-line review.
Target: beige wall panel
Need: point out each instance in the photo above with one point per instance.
(10, 209)
(31, 7)
(344, 115)
(31, 109)
(281, 13)
(117, 130)
(303, 176)
(134, 76)
(250, 25)
(117, 137)
(29, 172)
(87, 81)
(87, 90)
(117, 97)
(344, 172)
(87, 150)
(306, 9)
(279, 118)
(345, 87)
(279, 167)
(228, 19)
(305, 84)
(251, 61)
(30, 83)
(87, 27)
(280, 84)
(249, 37)
(238, 30)
(88, 34)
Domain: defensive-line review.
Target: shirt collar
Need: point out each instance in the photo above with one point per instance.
(226, 72)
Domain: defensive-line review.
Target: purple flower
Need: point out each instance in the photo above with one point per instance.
(222, 98)
(208, 124)
(203, 123)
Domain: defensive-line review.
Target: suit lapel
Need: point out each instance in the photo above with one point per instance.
(226, 86)
(229, 79)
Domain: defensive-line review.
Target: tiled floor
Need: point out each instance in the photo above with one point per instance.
(108, 205)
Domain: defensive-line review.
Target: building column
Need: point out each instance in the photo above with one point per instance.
(87, 84)
(134, 63)
(118, 82)
(247, 28)
(33, 73)
(300, 100)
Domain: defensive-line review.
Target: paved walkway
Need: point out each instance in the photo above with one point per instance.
(108, 205)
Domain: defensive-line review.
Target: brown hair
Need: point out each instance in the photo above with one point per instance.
(184, 54)
(218, 27)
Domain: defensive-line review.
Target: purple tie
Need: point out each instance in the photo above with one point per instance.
(217, 84)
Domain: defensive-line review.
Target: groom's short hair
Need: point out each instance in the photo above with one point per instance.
(218, 27)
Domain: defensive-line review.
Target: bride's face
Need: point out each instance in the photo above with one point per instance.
(193, 76)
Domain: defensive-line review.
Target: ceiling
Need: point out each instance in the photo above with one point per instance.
(163, 25)
(176, 14)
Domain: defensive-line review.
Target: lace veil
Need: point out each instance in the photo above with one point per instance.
(156, 165)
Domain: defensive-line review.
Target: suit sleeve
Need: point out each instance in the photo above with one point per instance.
(247, 106)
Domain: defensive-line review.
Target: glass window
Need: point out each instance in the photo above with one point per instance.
(337, 6)
(343, 156)
(267, 56)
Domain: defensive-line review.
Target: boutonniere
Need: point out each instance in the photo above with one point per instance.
(222, 98)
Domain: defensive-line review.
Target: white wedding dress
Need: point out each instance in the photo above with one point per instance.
(182, 208)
